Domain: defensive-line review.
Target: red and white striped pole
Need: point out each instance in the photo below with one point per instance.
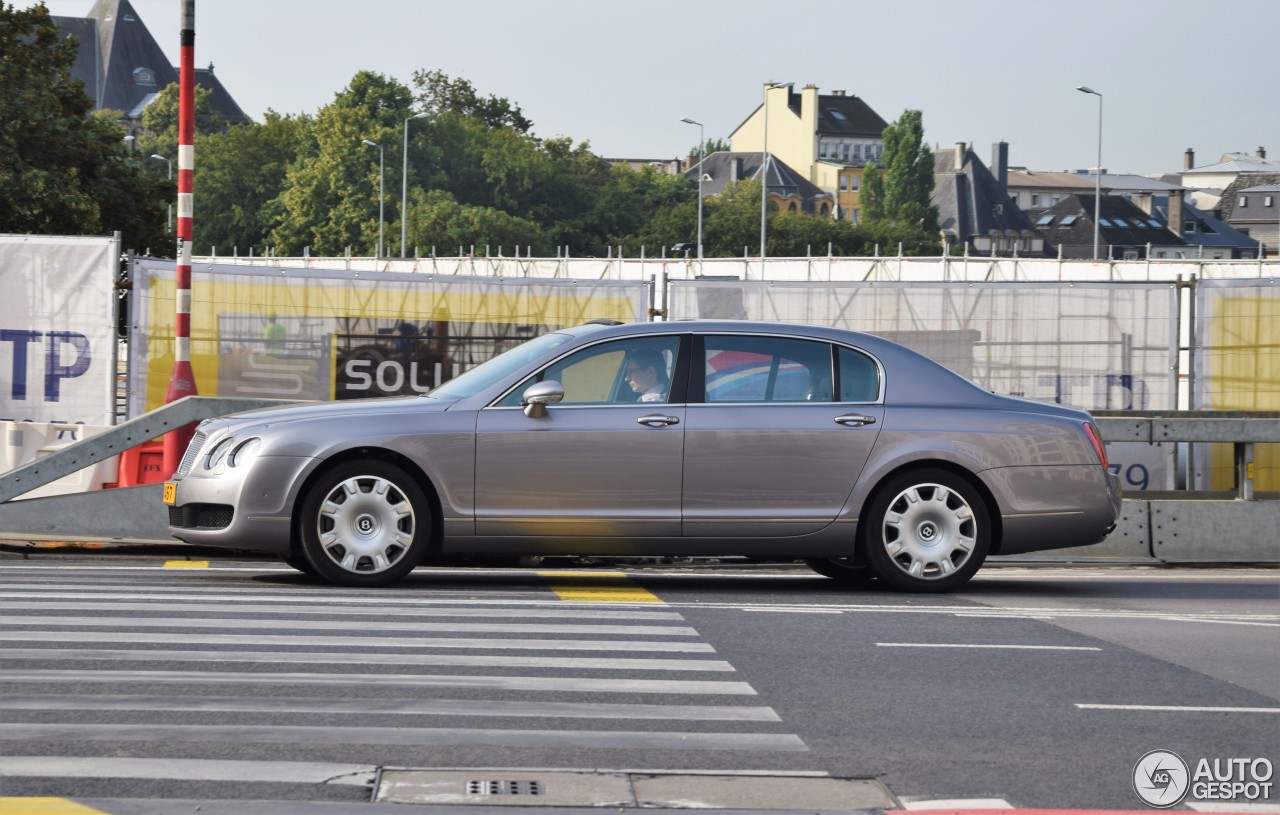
(183, 381)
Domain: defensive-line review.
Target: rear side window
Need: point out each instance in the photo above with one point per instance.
(748, 369)
(859, 376)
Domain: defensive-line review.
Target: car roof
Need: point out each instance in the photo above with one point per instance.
(732, 326)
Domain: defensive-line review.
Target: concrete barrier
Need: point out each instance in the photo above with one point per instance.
(26, 442)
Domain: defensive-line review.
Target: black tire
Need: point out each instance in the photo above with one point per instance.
(364, 523)
(845, 570)
(299, 561)
(925, 530)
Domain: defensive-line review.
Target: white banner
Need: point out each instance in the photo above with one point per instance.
(57, 329)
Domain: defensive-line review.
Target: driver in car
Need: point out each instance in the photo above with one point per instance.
(647, 375)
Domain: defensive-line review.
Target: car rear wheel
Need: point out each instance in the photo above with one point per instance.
(846, 570)
(365, 523)
(926, 530)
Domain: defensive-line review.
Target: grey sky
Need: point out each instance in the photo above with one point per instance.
(1175, 73)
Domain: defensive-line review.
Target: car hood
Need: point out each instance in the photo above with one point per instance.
(373, 409)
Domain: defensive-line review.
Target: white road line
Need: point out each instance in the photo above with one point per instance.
(529, 683)
(987, 645)
(1178, 708)
(187, 769)
(406, 736)
(793, 610)
(379, 707)
(327, 640)
(112, 604)
(341, 658)
(246, 623)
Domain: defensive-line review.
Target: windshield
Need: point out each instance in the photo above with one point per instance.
(496, 369)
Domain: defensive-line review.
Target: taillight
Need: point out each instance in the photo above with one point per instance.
(1096, 439)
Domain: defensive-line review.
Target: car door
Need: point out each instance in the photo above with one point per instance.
(777, 432)
(600, 463)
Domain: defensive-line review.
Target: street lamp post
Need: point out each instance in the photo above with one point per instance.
(702, 154)
(764, 167)
(1097, 183)
(382, 177)
(404, 181)
(169, 221)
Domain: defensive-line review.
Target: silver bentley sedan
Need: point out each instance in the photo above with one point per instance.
(855, 454)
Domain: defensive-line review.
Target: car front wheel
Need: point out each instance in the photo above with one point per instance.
(926, 530)
(365, 523)
(845, 570)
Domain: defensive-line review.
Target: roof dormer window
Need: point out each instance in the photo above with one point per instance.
(144, 76)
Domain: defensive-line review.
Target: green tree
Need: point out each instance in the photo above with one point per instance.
(711, 146)
(241, 175)
(160, 121)
(732, 221)
(62, 169)
(898, 188)
(437, 222)
(330, 196)
(631, 202)
(439, 93)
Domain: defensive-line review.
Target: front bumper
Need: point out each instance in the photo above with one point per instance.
(240, 508)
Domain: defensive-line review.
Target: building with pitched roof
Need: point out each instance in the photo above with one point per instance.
(787, 186)
(1251, 204)
(975, 211)
(123, 68)
(1125, 232)
(1221, 174)
(828, 138)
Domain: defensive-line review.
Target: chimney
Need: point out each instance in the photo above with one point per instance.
(961, 149)
(1189, 159)
(690, 161)
(837, 93)
(1146, 202)
(1175, 212)
(1262, 152)
(1000, 161)
(809, 121)
(735, 170)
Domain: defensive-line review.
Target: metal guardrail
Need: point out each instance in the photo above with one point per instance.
(128, 514)
(1242, 429)
(1188, 526)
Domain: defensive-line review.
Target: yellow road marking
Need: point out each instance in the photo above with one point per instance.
(599, 587)
(44, 806)
(186, 564)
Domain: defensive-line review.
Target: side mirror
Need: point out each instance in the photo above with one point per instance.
(540, 394)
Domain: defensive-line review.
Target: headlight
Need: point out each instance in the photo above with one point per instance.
(244, 452)
(214, 460)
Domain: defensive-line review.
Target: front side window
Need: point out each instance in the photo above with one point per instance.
(746, 369)
(611, 373)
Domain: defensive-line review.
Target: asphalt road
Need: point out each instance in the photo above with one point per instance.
(130, 683)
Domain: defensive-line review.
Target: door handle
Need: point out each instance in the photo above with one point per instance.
(854, 420)
(658, 421)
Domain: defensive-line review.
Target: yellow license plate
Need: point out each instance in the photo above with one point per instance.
(170, 492)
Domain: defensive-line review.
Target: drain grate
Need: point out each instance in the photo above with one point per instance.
(497, 787)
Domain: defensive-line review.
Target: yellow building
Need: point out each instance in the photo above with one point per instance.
(830, 137)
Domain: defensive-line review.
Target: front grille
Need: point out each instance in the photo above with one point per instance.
(201, 516)
(193, 453)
